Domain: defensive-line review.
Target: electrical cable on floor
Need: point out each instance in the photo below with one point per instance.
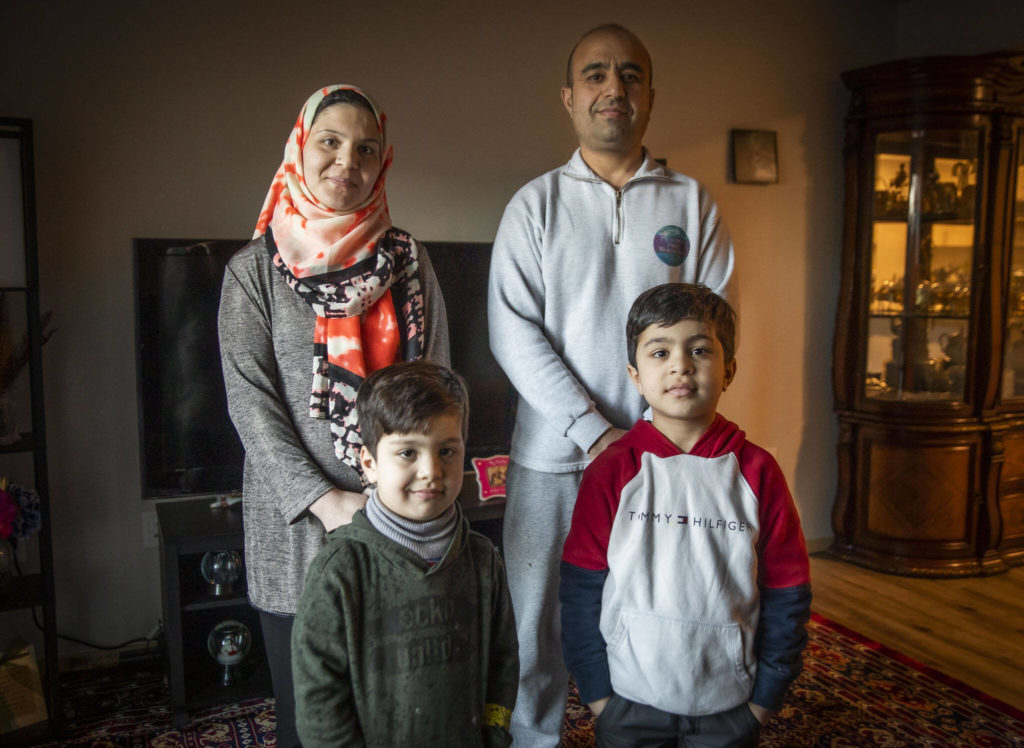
(66, 637)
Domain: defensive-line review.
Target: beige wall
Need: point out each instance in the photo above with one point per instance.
(168, 119)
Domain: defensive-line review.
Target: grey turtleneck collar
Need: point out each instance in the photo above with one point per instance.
(428, 539)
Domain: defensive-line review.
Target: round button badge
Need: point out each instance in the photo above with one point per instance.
(671, 245)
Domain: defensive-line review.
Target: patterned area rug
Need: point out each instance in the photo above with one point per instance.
(129, 707)
(853, 692)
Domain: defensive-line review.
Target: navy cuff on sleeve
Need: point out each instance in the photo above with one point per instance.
(583, 647)
(781, 638)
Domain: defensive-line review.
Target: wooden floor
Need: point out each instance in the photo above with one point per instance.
(971, 629)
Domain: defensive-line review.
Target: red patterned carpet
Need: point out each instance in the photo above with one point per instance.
(853, 692)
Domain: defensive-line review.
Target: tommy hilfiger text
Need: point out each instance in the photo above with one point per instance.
(705, 523)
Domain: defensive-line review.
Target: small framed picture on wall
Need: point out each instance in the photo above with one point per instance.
(755, 157)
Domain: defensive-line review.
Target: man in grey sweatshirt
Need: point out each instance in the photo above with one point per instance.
(575, 247)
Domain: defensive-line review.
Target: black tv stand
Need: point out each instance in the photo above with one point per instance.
(188, 529)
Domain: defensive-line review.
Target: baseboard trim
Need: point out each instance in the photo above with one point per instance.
(816, 545)
(101, 659)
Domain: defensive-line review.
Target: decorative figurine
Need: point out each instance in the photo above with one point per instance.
(229, 643)
(221, 569)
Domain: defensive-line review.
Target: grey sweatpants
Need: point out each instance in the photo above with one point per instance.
(538, 511)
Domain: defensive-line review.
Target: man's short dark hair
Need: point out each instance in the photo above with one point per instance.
(669, 303)
(404, 397)
(616, 27)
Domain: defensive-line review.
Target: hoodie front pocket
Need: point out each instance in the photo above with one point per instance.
(683, 667)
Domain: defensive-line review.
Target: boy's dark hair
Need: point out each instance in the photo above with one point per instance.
(669, 303)
(403, 397)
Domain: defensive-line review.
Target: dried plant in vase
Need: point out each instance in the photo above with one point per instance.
(13, 358)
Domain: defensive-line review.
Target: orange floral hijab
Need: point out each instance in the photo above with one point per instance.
(313, 238)
(358, 274)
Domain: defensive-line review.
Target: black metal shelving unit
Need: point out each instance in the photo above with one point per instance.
(36, 589)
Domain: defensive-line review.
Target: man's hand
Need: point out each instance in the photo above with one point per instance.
(762, 714)
(602, 443)
(596, 707)
(336, 507)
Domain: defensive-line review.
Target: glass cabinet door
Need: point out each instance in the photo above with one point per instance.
(1013, 352)
(923, 240)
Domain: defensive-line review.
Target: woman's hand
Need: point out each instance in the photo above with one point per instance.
(336, 507)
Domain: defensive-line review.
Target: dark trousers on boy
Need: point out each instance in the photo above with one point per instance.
(626, 724)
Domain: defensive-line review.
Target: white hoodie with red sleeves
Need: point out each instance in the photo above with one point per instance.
(690, 546)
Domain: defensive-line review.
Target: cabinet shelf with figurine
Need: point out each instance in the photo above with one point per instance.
(202, 579)
(26, 554)
(928, 368)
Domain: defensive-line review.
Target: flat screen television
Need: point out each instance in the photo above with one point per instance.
(462, 269)
(188, 446)
(187, 443)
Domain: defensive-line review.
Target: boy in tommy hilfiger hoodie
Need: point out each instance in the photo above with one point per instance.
(685, 583)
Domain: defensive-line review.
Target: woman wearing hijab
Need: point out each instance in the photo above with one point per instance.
(327, 286)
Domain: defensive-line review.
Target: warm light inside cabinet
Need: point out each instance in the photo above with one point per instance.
(888, 263)
(922, 249)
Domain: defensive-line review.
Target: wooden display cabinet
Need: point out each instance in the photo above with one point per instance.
(928, 367)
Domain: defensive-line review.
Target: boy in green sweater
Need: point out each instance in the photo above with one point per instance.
(404, 634)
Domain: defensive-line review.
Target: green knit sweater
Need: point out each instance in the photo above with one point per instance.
(388, 650)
